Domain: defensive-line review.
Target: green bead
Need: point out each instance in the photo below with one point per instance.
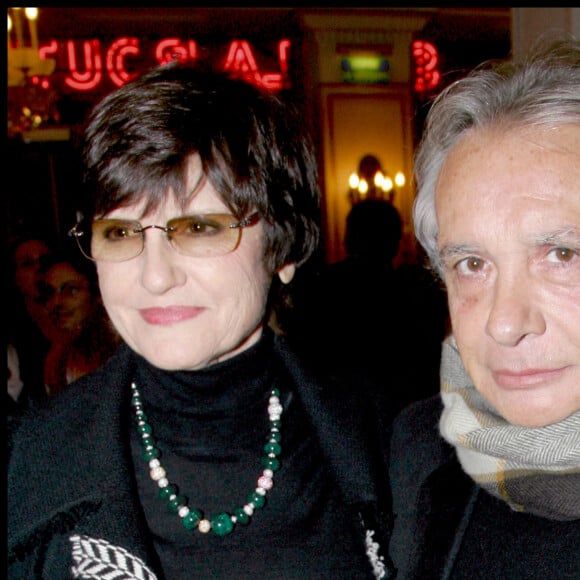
(256, 499)
(191, 520)
(275, 436)
(271, 463)
(276, 424)
(145, 428)
(176, 502)
(221, 524)
(241, 516)
(167, 491)
(275, 392)
(272, 447)
(150, 453)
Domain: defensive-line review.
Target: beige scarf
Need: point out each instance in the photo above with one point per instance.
(534, 470)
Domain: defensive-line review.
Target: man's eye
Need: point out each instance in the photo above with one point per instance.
(562, 255)
(470, 265)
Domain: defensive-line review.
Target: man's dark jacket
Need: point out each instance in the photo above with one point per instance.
(446, 527)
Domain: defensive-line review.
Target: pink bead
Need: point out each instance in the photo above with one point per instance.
(265, 482)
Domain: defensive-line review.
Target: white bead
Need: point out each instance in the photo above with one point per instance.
(183, 511)
(163, 482)
(157, 473)
(154, 463)
(274, 400)
(204, 526)
(248, 509)
(268, 473)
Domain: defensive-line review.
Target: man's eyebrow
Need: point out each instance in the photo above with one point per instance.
(568, 234)
(451, 250)
(565, 235)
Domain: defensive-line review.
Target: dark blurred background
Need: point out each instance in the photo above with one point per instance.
(362, 78)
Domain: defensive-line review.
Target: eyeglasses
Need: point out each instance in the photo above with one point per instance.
(200, 236)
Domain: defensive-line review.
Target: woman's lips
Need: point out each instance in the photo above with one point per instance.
(169, 315)
(526, 378)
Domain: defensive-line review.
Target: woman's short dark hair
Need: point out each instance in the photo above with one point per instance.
(254, 149)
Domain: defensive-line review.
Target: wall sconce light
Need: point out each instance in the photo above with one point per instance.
(372, 181)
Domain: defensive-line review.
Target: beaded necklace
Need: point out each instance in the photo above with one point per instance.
(221, 523)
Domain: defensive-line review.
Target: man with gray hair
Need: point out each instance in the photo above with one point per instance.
(486, 475)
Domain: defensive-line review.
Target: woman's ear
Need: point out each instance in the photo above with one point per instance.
(286, 272)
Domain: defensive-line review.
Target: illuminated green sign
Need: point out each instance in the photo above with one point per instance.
(365, 69)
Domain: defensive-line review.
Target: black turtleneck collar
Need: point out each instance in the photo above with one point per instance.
(217, 387)
(235, 390)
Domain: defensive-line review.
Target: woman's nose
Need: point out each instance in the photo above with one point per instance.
(162, 266)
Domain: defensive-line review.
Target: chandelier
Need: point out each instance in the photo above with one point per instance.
(30, 97)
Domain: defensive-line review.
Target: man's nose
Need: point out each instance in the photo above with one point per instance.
(515, 310)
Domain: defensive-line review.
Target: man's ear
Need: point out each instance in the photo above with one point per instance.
(286, 272)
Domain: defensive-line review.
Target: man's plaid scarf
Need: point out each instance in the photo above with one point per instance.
(534, 470)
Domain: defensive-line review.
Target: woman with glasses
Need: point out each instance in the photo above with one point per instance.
(205, 448)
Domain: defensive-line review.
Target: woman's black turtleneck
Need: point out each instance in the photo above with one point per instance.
(211, 426)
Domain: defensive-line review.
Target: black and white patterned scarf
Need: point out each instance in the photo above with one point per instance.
(534, 470)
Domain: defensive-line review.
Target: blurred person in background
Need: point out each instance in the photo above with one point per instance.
(364, 315)
(86, 339)
(486, 475)
(29, 328)
(209, 449)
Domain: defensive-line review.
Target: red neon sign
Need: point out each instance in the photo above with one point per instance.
(93, 66)
(170, 48)
(426, 57)
(87, 64)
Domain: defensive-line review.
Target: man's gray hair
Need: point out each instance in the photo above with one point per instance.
(541, 90)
